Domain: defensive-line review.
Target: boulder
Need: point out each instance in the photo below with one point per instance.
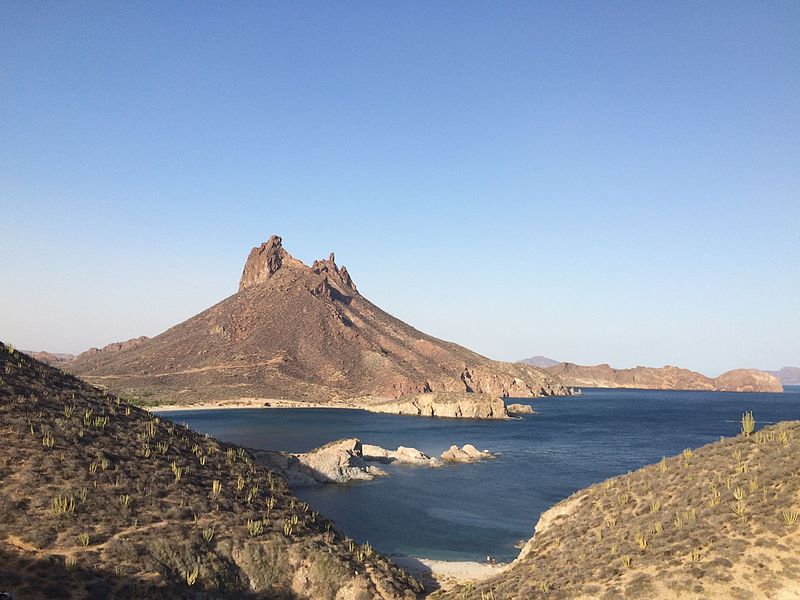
(519, 409)
(467, 453)
(403, 456)
(338, 462)
(376, 453)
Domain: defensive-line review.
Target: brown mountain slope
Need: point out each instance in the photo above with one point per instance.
(665, 378)
(101, 499)
(300, 332)
(722, 521)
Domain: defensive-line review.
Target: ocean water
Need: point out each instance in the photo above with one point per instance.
(469, 512)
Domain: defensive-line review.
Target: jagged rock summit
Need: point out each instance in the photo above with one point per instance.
(301, 332)
(265, 260)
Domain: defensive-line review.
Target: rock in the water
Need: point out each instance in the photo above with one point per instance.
(467, 453)
(459, 405)
(403, 455)
(519, 409)
(338, 462)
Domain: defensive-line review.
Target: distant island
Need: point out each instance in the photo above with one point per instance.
(661, 378)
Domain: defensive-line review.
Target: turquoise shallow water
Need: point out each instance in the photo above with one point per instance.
(466, 512)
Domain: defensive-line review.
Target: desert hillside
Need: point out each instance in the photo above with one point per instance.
(101, 499)
(665, 378)
(299, 332)
(722, 521)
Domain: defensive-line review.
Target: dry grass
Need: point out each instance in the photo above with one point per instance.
(103, 500)
(717, 522)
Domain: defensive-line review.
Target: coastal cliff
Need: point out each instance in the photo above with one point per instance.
(665, 378)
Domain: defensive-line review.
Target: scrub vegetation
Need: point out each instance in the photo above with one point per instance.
(101, 499)
(721, 521)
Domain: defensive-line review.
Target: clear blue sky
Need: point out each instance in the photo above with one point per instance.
(597, 182)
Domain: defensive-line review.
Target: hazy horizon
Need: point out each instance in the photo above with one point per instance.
(598, 184)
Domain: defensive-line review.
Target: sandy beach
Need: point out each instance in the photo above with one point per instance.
(264, 403)
(445, 574)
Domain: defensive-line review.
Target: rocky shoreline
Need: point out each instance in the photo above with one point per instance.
(450, 405)
(454, 405)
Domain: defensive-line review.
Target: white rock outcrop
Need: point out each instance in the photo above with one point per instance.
(467, 453)
(403, 456)
(348, 460)
(337, 462)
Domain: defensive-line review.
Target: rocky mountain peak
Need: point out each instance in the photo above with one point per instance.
(330, 270)
(268, 258)
(263, 262)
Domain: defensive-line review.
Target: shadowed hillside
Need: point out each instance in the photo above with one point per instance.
(722, 521)
(299, 332)
(101, 499)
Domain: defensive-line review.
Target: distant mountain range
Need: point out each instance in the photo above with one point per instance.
(51, 358)
(540, 361)
(667, 378)
(787, 375)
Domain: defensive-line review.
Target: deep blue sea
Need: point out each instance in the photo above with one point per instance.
(466, 512)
